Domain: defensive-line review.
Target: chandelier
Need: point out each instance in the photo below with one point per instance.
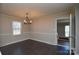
(27, 19)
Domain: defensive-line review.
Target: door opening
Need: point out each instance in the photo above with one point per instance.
(63, 32)
(66, 34)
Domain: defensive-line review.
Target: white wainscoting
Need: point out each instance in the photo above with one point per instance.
(6, 39)
(49, 38)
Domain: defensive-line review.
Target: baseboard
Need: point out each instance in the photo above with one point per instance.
(14, 42)
(42, 41)
(76, 53)
(26, 39)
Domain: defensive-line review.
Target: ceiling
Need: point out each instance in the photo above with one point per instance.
(35, 10)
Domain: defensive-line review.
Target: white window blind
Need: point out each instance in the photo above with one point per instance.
(16, 27)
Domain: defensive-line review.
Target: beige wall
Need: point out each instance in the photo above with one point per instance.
(6, 34)
(45, 29)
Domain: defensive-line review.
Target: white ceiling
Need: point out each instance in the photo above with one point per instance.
(34, 9)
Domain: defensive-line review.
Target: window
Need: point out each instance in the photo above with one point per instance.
(67, 30)
(16, 27)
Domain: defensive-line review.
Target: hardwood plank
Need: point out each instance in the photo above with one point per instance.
(31, 47)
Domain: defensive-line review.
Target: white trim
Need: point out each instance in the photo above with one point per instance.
(58, 18)
(14, 42)
(42, 41)
(26, 39)
(43, 33)
(14, 35)
(8, 34)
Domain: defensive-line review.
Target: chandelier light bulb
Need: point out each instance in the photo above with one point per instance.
(30, 21)
(25, 21)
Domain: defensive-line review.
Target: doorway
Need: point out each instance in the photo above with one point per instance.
(66, 33)
(63, 30)
(63, 34)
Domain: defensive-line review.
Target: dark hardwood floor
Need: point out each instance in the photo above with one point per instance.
(64, 43)
(31, 47)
